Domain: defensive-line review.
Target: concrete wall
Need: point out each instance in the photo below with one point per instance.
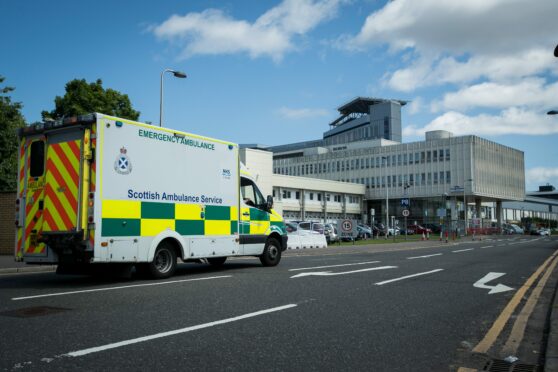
(7, 229)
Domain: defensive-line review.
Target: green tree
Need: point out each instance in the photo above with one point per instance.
(83, 98)
(10, 120)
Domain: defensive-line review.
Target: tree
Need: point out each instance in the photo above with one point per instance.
(83, 98)
(10, 120)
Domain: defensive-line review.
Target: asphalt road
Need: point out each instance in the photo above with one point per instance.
(411, 308)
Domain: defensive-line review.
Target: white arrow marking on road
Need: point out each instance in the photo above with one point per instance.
(493, 288)
(329, 273)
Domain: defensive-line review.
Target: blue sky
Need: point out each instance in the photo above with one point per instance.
(274, 72)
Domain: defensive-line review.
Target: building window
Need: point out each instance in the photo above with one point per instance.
(367, 163)
(428, 157)
(328, 197)
(417, 158)
(319, 197)
(297, 195)
(404, 159)
(448, 176)
(311, 196)
(388, 162)
(422, 157)
(441, 155)
(441, 178)
(429, 178)
(423, 179)
(435, 178)
(399, 159)
(352, 164)
(435, 156)
(447, 155)
(411, 179)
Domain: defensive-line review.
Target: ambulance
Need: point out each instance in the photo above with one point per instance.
(96, 190)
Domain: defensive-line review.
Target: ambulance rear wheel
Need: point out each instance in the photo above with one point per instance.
(271, 254)
(164, 261)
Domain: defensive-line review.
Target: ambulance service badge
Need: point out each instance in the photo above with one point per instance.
(123, 164)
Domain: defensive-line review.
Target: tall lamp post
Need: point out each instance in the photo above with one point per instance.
(465, 201)
(178, 74)
(387, 197)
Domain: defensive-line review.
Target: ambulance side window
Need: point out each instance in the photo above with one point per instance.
(251, 195)
(37, 156)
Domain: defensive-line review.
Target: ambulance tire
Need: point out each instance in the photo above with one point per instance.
(216, 261)
(272, 253)
(164, 262)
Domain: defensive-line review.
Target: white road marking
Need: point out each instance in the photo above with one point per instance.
(501, 245)
(324, 267)
(115, 345)
(408, 276)
(481, 283)
(464, 250)
(488, 246)
(430, 255)
(120, 287)
(329, 273)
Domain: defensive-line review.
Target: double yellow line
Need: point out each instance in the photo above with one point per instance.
(518, 329)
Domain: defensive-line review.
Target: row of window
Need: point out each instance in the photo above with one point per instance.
(288, 194)
(403, 180)
(430, 156)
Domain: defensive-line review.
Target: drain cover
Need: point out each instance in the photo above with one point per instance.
(30, 312)
(498, 365)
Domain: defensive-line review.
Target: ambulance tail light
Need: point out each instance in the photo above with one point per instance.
(18, 213)
(91, 207)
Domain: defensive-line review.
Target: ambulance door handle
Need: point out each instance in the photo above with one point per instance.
(246, 213)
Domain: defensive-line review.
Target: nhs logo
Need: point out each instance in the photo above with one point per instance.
(226, 174)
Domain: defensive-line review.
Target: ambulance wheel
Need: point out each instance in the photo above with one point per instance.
(271, 254)
(216, 261)
(164, 261)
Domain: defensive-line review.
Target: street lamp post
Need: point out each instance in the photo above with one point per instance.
(387, 197)
(178, 74)
(465, 201)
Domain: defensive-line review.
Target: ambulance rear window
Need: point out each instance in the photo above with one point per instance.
(37, 159)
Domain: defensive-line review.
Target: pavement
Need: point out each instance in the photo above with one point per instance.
(9, 266)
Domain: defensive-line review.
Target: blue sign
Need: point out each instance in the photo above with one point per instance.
(405, 202)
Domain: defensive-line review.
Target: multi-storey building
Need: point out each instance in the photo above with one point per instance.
(445, 171)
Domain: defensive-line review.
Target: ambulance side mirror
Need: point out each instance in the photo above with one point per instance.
(269, 202)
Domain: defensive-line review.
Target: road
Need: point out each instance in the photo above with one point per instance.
(396, 308)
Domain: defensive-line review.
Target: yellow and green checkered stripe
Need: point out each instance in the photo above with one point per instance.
(135, 218)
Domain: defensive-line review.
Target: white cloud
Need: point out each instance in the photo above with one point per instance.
(416, 106)
(530, 92)
(429, 71)
(301, 113)
(461, 41)
(542, 175)
(510, 121)
(474, 26)
(213, 32)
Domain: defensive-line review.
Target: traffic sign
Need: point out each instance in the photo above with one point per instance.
(405, 202)
(406, 213)
(347, 226)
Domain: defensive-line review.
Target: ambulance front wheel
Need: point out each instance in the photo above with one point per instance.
(164, 261)
(271, 254)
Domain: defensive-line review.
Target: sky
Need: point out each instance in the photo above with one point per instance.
(275, 72)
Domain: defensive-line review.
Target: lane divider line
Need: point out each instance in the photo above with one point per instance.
(429, 255)
(486, 343)
(488, 246)
(463, 250)
(119, 287)
(340, 265)
(115, 345)
(408, 276)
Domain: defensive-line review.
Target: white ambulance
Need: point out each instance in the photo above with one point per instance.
(97, 189)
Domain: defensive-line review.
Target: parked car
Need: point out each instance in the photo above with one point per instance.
(434, 227)
(418, 229)
(394, 231)
(330, 231)
(363, 232)
(311, 226)
(542, 231)
(379, 229)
